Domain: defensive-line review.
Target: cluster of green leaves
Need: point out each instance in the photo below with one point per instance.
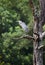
(14, 52)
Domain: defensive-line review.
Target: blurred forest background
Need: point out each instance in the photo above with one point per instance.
(16, 52)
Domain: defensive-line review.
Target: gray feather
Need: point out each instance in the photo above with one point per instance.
(24, 26)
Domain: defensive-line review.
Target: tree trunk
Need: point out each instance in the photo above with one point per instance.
(37, 54)
(38, 23)
(42, 8)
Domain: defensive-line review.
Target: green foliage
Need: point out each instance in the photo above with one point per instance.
(12, 51)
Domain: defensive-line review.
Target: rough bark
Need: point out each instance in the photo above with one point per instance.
(38, 22)
(37, 54)
(42, 9)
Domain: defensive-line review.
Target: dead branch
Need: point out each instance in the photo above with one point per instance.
(42, 35)
(42, 46)
(43, 51)
(24, 36)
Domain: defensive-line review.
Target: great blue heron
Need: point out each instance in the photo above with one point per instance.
(24, 26)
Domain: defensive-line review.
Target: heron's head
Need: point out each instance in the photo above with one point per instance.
(20, 22)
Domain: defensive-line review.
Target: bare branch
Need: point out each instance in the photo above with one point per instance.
(42, 35)
(43, 51)
(24, 36)
(41, 46)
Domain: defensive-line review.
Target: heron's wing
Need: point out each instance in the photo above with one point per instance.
(24, 26)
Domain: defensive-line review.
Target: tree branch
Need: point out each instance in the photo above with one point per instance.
(43, 51)
(42, 12)
(24, 36)
(41, 46)
(42, 35)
